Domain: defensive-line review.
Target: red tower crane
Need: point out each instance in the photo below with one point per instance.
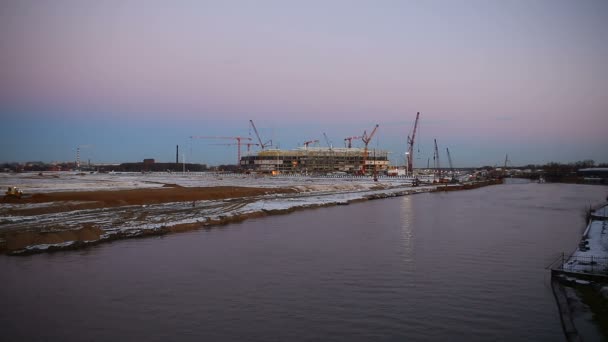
(235, 144)
(262, 145)
(366, 139)
(350, 140)
(410, 146)
(238, 143)
(306, 143)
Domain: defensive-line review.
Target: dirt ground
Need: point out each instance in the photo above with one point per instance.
(78, 200)
(116, 198)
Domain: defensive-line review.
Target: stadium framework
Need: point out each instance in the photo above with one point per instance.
(317, 160)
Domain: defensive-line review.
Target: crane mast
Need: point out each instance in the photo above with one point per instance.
(327, 140)
(450, 162)
(410, 145)
(366, 139)
(453, 179)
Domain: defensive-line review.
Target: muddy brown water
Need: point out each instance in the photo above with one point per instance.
(466, 265)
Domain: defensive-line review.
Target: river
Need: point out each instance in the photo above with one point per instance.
(466, 265)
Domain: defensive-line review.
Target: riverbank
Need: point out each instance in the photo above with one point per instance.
(584, 273)
(59, 220)
(61, 227)
(468, 186)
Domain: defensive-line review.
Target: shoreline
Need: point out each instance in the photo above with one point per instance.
(585, 273)
(252, 203)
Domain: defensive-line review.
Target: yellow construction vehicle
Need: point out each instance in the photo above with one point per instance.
(13, 192)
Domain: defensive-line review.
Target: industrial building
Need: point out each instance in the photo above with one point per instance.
(318, 160)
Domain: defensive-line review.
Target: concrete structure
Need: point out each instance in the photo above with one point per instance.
(320, 160)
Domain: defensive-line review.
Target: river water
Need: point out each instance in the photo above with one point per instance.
(465, 265)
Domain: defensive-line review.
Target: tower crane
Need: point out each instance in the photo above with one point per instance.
(350, 140)
(410, 145)
(366, 139)
(262, 145)
(234, 144)
(306, 143)
(238, 143)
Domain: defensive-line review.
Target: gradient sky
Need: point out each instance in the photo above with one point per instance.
(132, 79)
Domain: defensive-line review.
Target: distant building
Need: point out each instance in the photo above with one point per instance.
(594, 175)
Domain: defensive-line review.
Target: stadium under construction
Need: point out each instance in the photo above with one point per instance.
(316, 160)
(322, 160)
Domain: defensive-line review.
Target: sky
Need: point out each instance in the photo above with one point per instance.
(128, 80)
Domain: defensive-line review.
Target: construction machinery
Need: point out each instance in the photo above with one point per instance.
(262, 144)
(453, 179)
(13, 192)
(436, 164)
(410, 145)
(235, 144)
(350, 141)
(366, 139)
(306, 143)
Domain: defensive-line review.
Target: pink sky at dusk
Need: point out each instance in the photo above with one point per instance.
(492, 73)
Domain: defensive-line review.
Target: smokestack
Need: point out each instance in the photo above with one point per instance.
(176, 154)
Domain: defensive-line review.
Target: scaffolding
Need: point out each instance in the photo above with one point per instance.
(317, 160)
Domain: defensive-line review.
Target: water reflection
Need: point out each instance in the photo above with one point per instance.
(461, 266)
(406, 217)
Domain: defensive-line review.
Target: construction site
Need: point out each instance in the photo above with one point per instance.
(324, 160)
(311, 159)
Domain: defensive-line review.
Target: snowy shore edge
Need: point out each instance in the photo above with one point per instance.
(30, 228)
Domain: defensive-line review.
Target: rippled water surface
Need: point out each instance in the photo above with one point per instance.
(464, 265)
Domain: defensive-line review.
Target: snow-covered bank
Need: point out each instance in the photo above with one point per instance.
(32, 183)
(591, 256)
(27, 228)
(35, 227)
(133, 221)
(584, 275)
